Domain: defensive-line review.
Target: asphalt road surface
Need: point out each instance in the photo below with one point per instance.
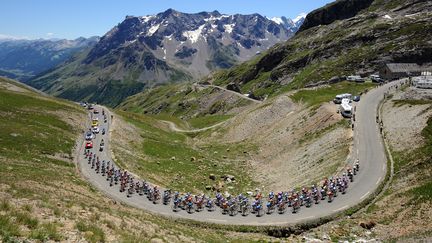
(368, 148)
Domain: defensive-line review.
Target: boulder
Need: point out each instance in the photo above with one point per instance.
(212, 177)
(233, 87)
(368, 225)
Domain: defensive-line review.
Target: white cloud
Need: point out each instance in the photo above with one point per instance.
(50, 34)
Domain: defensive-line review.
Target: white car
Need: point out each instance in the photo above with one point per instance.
(95, 129)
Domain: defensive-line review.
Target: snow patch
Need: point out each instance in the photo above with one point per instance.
(153, 29)
(277, 20)
(299, 17)
(194, 35)
(164, 53)
(387, 16)
(229, 28)
(147, 18)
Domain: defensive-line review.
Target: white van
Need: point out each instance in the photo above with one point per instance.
(346, 110)
(356, 78)
(338, 99)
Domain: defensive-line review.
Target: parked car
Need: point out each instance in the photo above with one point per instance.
(376, 78)
(95, 111)
(103, 131)
(338, 99)
(89, 145)
(356, 98)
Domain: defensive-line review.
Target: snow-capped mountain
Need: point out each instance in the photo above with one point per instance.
(291, 24)
(198, 42)
(167, 47)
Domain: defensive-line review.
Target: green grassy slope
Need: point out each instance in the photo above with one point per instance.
(185, 101)
(174, 160)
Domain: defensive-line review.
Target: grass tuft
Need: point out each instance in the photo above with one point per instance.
(92, 233)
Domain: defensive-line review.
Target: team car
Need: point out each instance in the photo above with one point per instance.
(89, 145)
(89, 135)
(95, 122)
(95, 129)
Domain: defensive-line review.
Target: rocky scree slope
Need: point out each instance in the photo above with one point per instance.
(142, 52)
(332, 44)
(23, 59)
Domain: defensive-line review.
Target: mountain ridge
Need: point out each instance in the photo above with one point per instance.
(146, 51)
(378, 33)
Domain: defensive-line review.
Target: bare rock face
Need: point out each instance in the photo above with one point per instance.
(233, 87)
(339, 10)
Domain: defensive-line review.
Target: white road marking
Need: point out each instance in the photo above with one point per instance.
(310, 217)
(219, 220)
(365, 195)
(379, 179)
(342, 208)
(279, 222)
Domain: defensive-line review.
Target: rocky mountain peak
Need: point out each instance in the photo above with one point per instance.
(175, 46)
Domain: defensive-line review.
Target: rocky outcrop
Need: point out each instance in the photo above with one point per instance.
(339, 10)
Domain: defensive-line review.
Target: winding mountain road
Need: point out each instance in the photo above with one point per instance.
(368, 148)
(173, 127)
(232, 92)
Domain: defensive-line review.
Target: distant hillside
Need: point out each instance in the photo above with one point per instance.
(333, 43)
(142, 52)
(23, 59)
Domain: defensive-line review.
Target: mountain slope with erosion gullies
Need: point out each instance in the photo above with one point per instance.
(333, 44)
(170, 47)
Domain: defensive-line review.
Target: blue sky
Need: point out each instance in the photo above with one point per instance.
(73, 18)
